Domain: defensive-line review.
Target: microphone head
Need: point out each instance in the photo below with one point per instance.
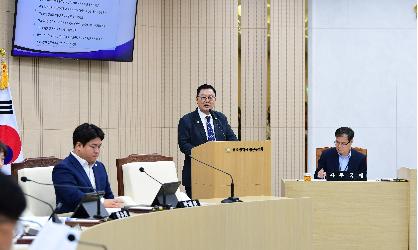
(71, 237)
(141, 169)
(24, 179)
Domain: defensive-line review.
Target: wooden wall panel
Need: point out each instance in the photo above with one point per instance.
(198, 48)
(287, 90)
(253, 69)
(286, 83)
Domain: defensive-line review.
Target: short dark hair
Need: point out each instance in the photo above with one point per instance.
(87, 132)
(205, 86)
(345, 131)
(13, 200)
(3, 148)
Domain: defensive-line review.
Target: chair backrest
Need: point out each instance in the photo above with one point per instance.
(142, 188)
(40, 170)
(320, 150)
(135, 158)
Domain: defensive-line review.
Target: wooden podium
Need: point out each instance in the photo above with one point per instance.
(249, 163)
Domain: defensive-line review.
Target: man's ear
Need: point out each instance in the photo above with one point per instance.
(78, 145)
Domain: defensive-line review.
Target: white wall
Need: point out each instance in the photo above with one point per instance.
(362, 62)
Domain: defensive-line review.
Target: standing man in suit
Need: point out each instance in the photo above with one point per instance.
(200, 126)
(342, 157)
(81, 168)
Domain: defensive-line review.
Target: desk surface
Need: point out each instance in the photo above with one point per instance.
(256, 223)
(356, 215)
(273, 223)
(244, 199)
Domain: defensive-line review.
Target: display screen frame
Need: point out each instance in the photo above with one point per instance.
(122, 53)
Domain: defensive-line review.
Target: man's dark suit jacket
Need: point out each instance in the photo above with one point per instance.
(330, 163)
(191, 133)
(70, 172)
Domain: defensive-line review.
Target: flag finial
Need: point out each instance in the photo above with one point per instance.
(4, 79)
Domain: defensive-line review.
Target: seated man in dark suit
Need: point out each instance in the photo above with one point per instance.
(342, 157)
(81, 168)
(200, 126)
(12, 204)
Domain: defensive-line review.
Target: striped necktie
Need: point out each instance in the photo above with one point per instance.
(211, 134)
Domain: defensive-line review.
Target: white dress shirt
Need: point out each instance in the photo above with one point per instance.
(343, 160)
(88, 168)
(204, 121)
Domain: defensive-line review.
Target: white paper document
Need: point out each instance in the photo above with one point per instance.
(56, 236)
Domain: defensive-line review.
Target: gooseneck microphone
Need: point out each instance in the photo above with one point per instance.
(142, 170)
(53, 216)
(71, 238)
(25, 179)
(230, 199)
(98, 214)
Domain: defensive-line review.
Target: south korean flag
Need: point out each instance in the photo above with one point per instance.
(9, 135)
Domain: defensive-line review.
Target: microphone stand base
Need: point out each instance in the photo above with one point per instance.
(167, 206)
(231, 200)
(55, 218)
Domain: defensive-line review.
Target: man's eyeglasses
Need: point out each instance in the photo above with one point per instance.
(209, 98)
(342, 144)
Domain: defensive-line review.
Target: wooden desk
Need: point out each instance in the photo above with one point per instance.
(277, 223)
(356, 215)
(411, 176)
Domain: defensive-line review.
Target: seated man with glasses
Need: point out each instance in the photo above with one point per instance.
(342, 157)
(200, 126)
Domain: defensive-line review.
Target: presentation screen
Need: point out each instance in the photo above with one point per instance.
(81, 29)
